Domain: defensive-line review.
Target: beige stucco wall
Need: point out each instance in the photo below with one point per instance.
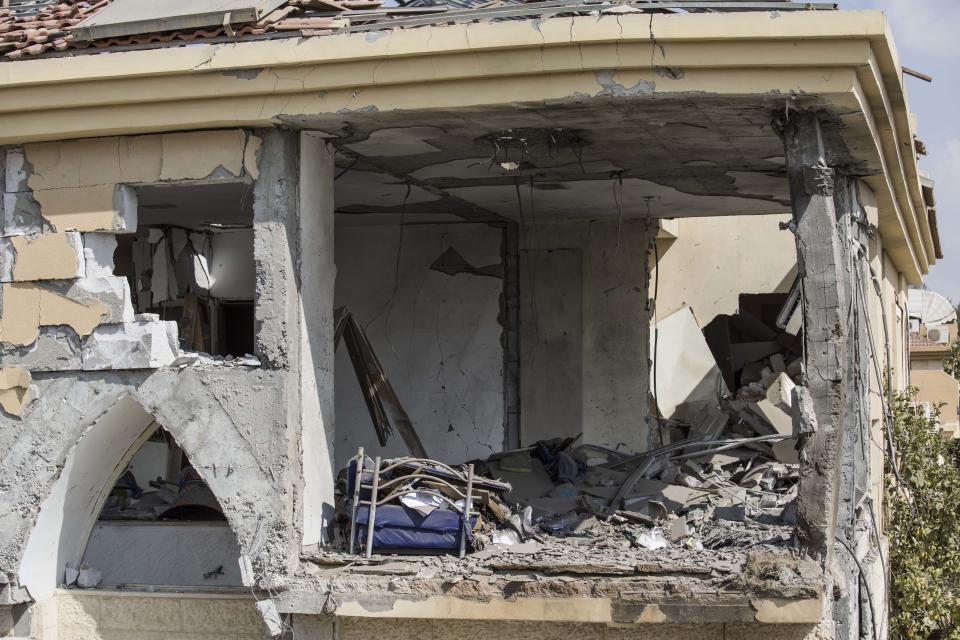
(713, 260)
(938, 387)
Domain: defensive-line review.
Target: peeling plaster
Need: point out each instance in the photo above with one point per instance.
(15, 390)
(244, 74)
(50, 256)
(27, 307)
(610, 81)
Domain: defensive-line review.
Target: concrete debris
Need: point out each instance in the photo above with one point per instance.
(690, 374)
(271, 617)
(145, 343)
(727, 458)
(88, 577)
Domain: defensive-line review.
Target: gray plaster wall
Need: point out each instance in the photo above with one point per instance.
(224, 418)
(585, 331)
(438, 335)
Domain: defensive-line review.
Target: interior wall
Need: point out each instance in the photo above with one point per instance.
(713, 260)
(437, 335)
(232, 265)
(584, 323)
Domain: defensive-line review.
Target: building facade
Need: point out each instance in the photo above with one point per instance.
(509, 204)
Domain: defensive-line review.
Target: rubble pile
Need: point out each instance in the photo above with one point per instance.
(727, 462)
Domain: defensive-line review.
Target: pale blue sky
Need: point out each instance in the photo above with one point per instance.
(927, 33)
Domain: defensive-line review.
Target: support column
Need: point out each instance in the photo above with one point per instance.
(823, 274)
(835, 458)
(317, 272)
(296, 274)
(616, 334)
(276, 301)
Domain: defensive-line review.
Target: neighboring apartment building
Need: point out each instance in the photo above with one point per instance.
(933, 331)
(511, 201)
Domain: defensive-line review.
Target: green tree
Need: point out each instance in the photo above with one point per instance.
(952, 363)
(925, 527)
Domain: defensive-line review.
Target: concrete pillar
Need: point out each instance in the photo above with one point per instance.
(275, 238)
(276, 301)
(831, 232)
(821, 265)
(616, 334)
(317, 272)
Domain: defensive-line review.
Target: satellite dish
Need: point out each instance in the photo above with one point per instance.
(930, 307)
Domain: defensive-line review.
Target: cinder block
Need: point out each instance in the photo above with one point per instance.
(112, 291)
(107, 207)
(56, 349)
(21, 214)
(48, 256)
(141, 344)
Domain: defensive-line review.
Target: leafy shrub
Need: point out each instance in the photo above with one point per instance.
(925, 527)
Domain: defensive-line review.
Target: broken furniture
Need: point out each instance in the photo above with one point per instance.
(413, 504)
(382, 401)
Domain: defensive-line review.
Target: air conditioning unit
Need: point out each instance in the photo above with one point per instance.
(940, 333)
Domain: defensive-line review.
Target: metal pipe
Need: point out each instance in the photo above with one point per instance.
(358, 478)
(372, 513)
(465, 516)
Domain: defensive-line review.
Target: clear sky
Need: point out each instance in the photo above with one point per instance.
(927, 34)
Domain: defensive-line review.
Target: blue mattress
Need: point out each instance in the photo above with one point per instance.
(398, 527)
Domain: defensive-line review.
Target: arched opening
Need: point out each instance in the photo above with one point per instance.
(129, 509)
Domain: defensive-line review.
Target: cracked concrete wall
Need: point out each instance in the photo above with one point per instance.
(223, 418)
(606, 375)
(435, 328)
(64, 317)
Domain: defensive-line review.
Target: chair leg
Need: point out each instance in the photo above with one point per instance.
(372, 515)
(465, 514)
(358, 478)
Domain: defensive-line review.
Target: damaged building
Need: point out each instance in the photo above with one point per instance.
(439, 319)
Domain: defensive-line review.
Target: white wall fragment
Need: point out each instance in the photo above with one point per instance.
(98, 250)
(145, 343)
(15, 176)
(685, 369)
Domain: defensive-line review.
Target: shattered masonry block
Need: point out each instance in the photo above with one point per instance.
(21, 214)
(98, 250)
(780, 392)
(28, 306)
(15, 173)
(56, 349)
(142, 344)
(200, 155)
(15, 390)
(111, 291)
(73, 163)
(48, 256)
(108, 207)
